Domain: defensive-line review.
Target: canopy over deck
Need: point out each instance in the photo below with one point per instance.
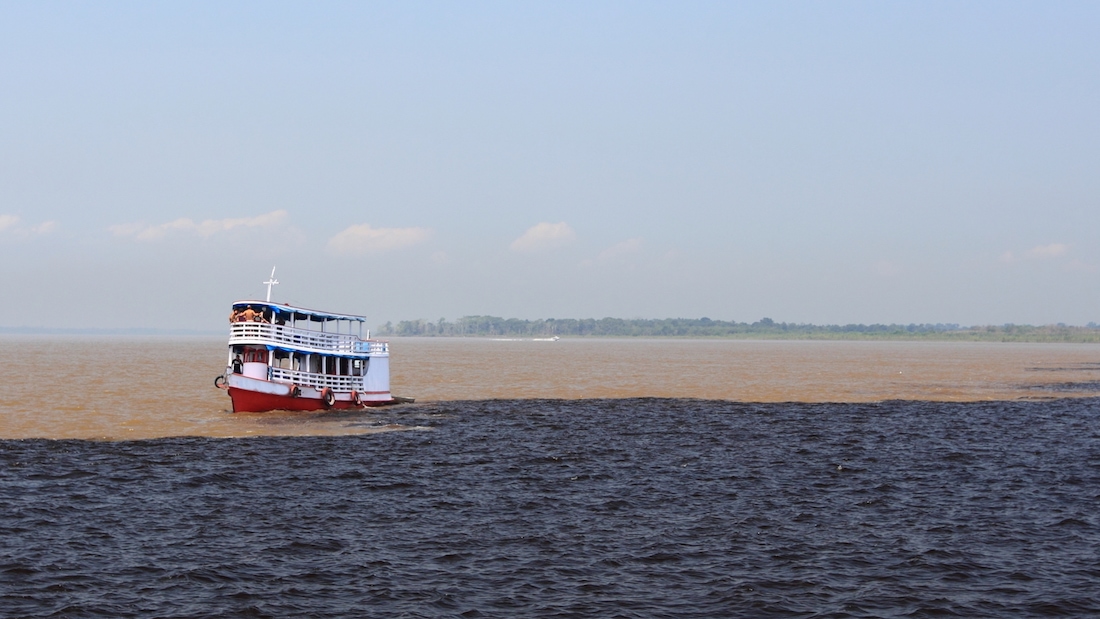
(296, 313)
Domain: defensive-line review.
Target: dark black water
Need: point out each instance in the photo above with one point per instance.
(631, 508)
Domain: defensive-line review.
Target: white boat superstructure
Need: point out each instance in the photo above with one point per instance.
(286, 357)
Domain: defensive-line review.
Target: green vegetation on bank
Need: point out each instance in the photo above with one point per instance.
(766, 328)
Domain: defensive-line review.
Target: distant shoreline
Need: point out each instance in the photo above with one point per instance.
(705, 328)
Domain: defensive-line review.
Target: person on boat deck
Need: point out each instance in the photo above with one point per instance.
(248, 314)
(238, 366)
(233, 316)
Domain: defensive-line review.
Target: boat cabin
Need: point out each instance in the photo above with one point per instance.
(271, 341)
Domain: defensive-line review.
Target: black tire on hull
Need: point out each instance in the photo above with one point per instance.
(328, 397)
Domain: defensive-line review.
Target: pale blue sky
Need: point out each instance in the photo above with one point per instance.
(809, 162)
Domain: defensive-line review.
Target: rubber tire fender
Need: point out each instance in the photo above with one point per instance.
(355, 397)
(295, 391)
(219, 381)
(328, 398)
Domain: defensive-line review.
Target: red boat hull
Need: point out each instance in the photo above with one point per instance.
(245, 401)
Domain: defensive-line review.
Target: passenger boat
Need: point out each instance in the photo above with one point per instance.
(283, 357)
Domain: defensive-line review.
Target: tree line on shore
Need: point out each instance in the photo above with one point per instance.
(493, 326)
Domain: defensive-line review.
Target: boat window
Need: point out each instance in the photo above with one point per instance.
(281, 359)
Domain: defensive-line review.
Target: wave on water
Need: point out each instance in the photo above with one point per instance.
(631, 507)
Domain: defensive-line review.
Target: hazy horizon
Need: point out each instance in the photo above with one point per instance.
(813, 163)
(189, 332)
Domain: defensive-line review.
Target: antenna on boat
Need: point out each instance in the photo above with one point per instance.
(271, 281)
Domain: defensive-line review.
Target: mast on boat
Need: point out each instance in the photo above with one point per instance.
(271, 281)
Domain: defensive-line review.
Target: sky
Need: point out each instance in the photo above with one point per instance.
(831, 163)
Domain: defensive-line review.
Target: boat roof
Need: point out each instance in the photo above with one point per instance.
(299, 312)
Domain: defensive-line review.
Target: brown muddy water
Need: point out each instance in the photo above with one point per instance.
(120, 388)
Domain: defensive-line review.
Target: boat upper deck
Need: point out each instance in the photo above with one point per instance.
(293, 328)
(289, 313)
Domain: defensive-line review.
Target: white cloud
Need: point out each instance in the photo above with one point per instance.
(544, 236)
(9, 222)
(205, 228)
(1047, 251)
(619, 250)
(45, 227)
(1039, 252)
(363, 239)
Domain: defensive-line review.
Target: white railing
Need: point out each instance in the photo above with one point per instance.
(308, 379)
(266, 333)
